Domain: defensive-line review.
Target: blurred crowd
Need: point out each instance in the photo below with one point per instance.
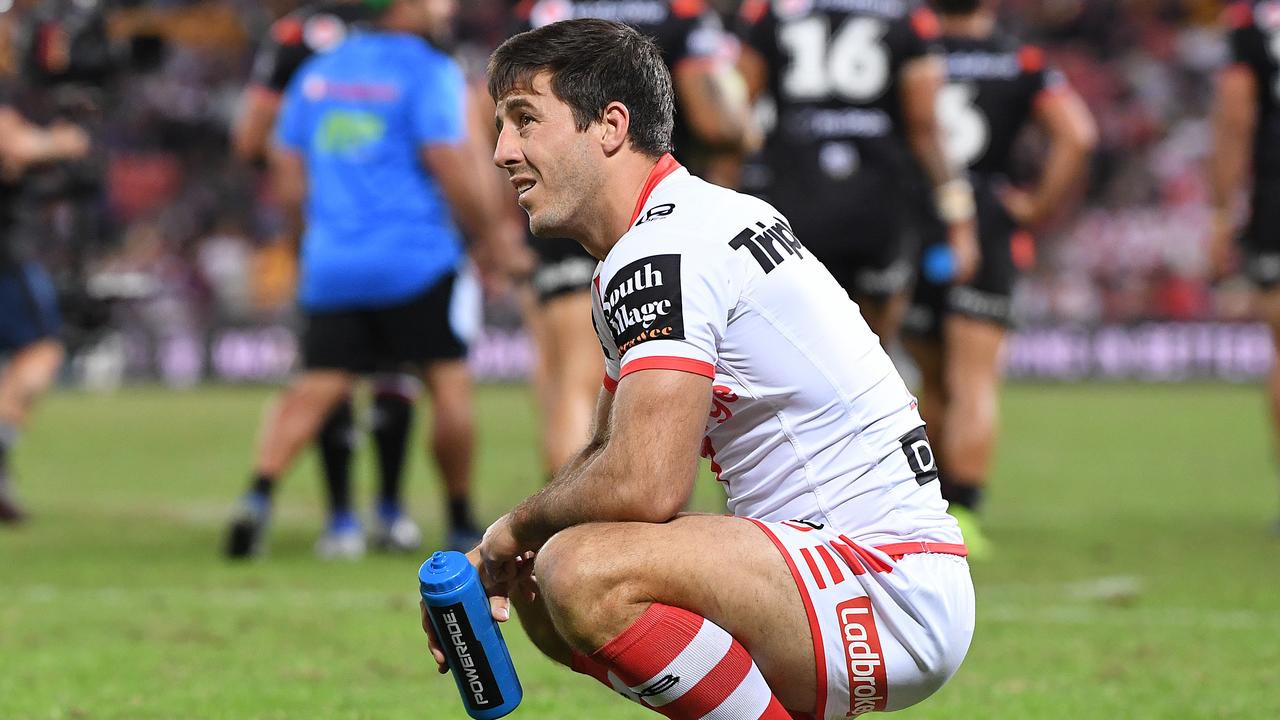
(184, 237)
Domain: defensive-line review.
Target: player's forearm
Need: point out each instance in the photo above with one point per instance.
(294, 225)
(922, 80)
(714, 101)
(1062, 170)
(953, 195)
(926, 145)
(30, 145)
(1228, 163)
(603, 489)
(1234, 116)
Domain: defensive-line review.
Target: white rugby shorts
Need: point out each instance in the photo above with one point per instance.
(890, 623)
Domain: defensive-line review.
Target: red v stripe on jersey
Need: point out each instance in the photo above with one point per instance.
(665, 167)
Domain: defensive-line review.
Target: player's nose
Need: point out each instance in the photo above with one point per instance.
(507, 152)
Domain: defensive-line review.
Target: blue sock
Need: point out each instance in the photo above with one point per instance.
(259, 494)
(389, 511)
(343, 521)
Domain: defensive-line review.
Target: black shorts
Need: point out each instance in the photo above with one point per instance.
(989, 295)
(1260, 240)
(402, 337)
(861, 234)
(564, 267)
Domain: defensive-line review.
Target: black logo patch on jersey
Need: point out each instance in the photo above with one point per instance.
(642, 302)
(657, 212)
(915, 445)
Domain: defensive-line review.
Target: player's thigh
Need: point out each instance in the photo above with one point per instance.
(723, 568)
(580, 362)
(28, 374)
(1267, 303)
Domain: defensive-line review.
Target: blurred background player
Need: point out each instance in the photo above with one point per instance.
(372, 138)
(29, 319)
(855, 87)
(318, 28)
(713, 127)
(1246, 133)
(955, 333)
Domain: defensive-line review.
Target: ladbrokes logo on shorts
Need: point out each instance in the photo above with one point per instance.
(642, 302)
(868, 685)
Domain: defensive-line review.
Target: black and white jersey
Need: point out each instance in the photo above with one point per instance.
(1254, 42)
(834, 68)
(316, 28)
(992, 87)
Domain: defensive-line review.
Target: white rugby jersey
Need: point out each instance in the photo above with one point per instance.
(809, 419)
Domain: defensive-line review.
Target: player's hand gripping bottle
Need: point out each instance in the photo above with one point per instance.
(468, 634)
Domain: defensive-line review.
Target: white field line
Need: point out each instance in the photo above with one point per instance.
(988, 612)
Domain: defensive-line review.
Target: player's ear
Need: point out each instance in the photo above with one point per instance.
(614, 126)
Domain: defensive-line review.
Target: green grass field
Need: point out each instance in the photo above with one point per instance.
(1135, 576)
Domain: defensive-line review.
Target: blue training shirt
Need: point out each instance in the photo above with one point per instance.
(378, 227)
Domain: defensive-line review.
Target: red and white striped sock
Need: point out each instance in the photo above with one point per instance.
(685, 667)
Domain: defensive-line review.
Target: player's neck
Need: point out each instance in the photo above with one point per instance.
(979, 25)
(618, 199)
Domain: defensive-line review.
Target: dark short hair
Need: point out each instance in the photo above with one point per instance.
(593, 63)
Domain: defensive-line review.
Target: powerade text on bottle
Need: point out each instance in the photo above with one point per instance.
(468, 634)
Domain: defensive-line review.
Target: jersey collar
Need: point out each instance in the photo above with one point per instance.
(667, 164)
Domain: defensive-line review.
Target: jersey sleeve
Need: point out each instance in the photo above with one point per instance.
(756, 27)
(279, 58)
(914, 36)
(437, 100)
(694, 32)
(1245, 42)
(668, 309)
(1040, 78)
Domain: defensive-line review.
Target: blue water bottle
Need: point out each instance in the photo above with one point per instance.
(939, 264)
(468, 634)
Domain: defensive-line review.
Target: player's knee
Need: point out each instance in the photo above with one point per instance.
(577, 572)
(563, 564)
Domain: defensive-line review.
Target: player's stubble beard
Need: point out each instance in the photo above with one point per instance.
(568, 188)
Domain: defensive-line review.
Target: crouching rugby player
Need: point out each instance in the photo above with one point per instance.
(838, 585)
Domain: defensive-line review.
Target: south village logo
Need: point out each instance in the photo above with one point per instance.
(642, 302)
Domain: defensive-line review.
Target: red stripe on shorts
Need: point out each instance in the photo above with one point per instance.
(815, 629)
(837, 577)
(813, 568)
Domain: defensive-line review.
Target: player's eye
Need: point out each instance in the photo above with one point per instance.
(524, 120)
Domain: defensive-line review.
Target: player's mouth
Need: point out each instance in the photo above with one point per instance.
(522, 185)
